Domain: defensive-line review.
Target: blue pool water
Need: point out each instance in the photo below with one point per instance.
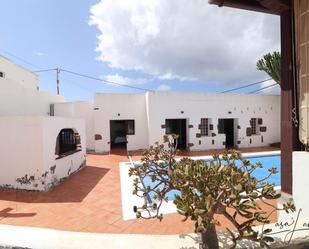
(268, 162)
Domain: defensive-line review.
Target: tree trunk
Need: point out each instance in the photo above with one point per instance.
(210, 239)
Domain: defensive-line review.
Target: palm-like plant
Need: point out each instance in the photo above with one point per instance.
(271, 64)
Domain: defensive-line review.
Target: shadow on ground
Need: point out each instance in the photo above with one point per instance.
(6, 213)
(73, 189)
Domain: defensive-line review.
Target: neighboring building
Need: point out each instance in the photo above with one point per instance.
(19, 95)
(37, 150)
(203, 121)
(11, 71)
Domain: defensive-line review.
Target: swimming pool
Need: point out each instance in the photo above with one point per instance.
(268, 162)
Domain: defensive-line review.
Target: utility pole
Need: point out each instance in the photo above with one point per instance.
(58, 72)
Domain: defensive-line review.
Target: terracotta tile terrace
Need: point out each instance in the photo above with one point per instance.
(90, 201)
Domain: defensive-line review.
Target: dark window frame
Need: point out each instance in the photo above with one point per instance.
(254, 124)
(168, 125)
(221, 126)
(204, 127)
(132, 130)
(68, 142)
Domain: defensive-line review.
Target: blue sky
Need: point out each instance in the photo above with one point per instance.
(54, 33)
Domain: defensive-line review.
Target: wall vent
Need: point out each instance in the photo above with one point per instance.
(51, 110)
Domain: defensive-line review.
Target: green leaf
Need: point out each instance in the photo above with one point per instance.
(238, 187)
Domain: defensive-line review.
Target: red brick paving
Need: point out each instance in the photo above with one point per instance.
(90, 201)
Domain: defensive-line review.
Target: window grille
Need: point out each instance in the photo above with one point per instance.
(130, 127)
(204, 127)
(254, 124)
(67, 142)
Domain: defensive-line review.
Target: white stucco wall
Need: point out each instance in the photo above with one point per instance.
(17, 100)
(68, 164)
(27, 147)
(17, 73)
(300, 181)
(150, 110)
(107, 106)
(79, 109)
(241, 107)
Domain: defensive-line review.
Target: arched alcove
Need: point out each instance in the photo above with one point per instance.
(68, 142)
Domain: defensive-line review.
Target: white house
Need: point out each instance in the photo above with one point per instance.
(49, 136)
(37, 150)
(202, 120)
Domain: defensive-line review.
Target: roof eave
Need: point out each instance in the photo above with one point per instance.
(275, 7)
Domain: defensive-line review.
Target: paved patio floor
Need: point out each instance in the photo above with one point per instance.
(90, 201)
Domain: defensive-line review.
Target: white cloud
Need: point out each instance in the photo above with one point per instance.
(124, 80)
(39, 54)
(181, 39)
(164, 88)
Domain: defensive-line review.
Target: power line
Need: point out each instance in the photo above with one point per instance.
(45, 70)
(263, 88)
(119, 84)
(75, 84)
(89, 77)
(245, 86)
(105, 81)
(19, 58)
(63, 78)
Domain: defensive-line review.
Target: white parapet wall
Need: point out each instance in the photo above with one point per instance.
(17, 100)
(28, 151)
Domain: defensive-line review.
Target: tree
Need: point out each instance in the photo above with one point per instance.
(271, 64)
(205, 189)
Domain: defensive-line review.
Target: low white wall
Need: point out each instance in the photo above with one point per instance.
(108, 106)
(17, 100)
(21, 148)
(300, 181)
(295, 224)
(27, 148)
(79, 109)
(67, 165)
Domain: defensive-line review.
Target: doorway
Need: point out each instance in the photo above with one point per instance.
(226, 126)
(178, 127)
(119, 129)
